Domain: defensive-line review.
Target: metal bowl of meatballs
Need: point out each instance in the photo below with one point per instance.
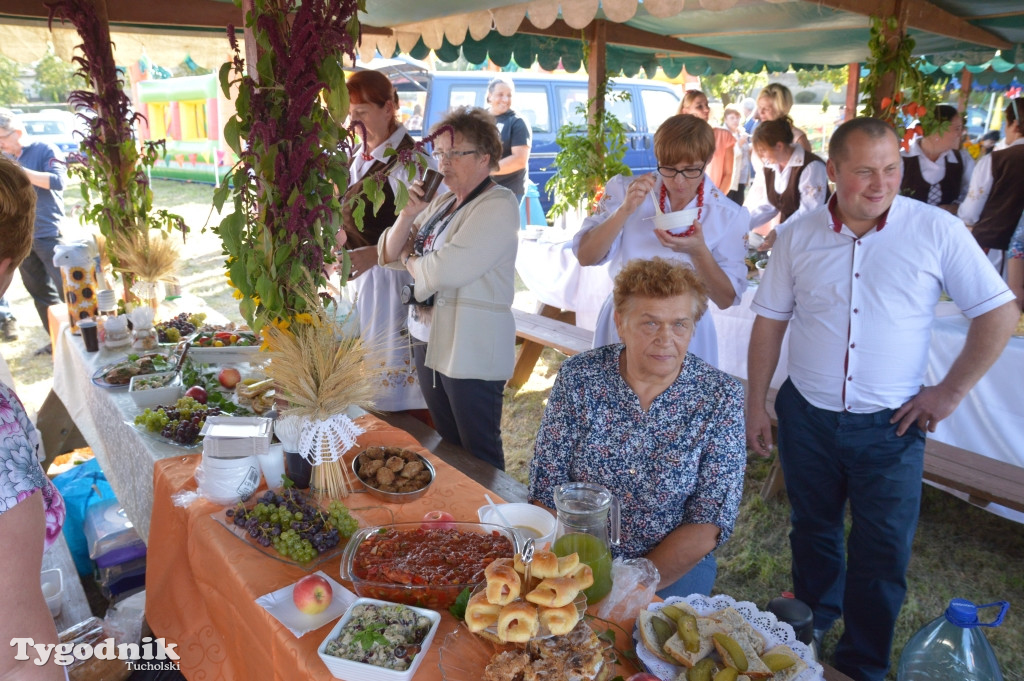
(393, 474)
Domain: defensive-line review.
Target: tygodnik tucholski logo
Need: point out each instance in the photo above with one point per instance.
(152, 654)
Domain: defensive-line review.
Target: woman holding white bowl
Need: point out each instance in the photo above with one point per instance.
(622, 228)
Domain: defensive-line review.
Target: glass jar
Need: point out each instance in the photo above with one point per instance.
(106, 303)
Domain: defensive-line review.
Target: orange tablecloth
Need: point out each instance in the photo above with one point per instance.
(201, 582)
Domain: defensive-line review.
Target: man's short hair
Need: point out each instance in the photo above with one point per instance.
(874, 128)
(10, 121)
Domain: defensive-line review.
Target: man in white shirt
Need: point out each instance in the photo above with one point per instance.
(859, 278)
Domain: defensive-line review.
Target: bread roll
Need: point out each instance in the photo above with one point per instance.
(568, 564)
(560, 621)
(481, 613)
(518, 622)
(545, 564)
(583, 576)
(503, 584)
(554, 592)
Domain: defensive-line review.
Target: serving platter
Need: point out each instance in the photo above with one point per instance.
(98, 380)
(581, 607)
(767, 623)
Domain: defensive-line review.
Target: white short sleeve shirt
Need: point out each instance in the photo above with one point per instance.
(861, 308)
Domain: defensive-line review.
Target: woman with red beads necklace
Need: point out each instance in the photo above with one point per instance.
(622, 227)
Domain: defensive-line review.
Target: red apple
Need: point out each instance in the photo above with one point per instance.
(197, 393)
(643, 676)
(312, 594)
(438, 520)
(229, 378)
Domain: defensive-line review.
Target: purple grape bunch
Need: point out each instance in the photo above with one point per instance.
(291, 523)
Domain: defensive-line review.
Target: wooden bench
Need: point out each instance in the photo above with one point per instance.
(984, 480)
(547, 328)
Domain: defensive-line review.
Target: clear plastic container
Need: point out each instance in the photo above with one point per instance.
(953, 647)
(110, 536)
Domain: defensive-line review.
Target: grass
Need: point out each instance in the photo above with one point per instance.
(959, 550)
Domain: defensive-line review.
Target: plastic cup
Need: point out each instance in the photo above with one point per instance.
(89, 335)
(431, 181)
(272, 465)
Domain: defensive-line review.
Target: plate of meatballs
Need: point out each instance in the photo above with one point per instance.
(393, 474)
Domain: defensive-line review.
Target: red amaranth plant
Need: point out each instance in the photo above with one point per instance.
(115, 183)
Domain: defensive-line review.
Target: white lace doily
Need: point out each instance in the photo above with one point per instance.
(765, 622)
(326, 440)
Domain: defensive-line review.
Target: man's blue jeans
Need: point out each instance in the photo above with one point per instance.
(828, 458)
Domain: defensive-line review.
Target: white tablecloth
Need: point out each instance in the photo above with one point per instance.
(126, 456)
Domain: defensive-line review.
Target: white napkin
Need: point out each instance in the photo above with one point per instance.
(281, 606)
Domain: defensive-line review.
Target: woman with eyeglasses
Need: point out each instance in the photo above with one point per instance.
(460, 249)
(994, 200)
(622, 228)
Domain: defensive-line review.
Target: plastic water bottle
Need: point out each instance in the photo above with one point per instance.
(953, 647)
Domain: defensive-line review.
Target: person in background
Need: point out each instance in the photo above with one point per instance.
(749, 115)
(31, 510)
(994, 201)
(382, 315)
(8, 324)
(793, 181)
(856, 282)
(775, 101)
(44, 165)
(989, 142)
(622, 229)
(655, 424)
(696, 104)
(736, 183)
(516, 137)
(935, 169)
(1015, 264)
(461, 251)
(415, 121)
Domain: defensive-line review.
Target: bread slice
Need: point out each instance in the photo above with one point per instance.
(788, 673)
(649, 637)
(739, 628)
(680, 655)
(756, 668)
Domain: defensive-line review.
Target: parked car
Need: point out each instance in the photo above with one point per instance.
(547, 101)
(54, 126)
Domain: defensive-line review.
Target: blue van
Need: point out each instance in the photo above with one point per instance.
(546, 101)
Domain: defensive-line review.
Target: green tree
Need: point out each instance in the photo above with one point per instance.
(732, 87)
(56, 78)
(10, 88)
(837, 78)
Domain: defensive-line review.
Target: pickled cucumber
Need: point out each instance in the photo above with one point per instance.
(735, 652)
(686, 624)
(778, 661)
(727, 674)
(701, 671)
(662, 630)
(672, 612)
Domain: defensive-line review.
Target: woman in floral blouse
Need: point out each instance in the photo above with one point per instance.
(31, 510)
(656, 425)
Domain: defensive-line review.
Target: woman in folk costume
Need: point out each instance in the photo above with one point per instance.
(382, 316)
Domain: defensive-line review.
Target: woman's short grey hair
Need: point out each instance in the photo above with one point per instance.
(477, 127)
(500, 80)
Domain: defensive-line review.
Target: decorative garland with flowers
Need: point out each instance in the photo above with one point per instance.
(914, 94)
(112, 168)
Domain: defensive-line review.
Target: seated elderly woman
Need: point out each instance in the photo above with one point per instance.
(655, 424)
(460, 249)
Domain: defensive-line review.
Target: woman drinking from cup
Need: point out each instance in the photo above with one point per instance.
(460, 249)
(622, 228)
(653, 423)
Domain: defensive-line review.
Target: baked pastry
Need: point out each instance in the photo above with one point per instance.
(554, 592)
(518, 622)
(583, 576)
(481, 613)
(560, 621)
(545, 564)
(503, 584)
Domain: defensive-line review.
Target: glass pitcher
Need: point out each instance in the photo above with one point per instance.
(583, 524)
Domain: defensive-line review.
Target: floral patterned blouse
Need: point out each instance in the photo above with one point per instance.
(680, 462)
(20, 472)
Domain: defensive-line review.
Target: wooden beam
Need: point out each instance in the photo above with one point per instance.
(627, 36)
(923, 16)
(183, 13)
(852, 90)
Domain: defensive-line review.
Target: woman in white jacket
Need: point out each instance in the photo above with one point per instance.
(460, 249)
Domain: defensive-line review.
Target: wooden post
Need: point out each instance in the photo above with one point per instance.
(887, 84)
(966, 77)
(597, 71)
(852, 86)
